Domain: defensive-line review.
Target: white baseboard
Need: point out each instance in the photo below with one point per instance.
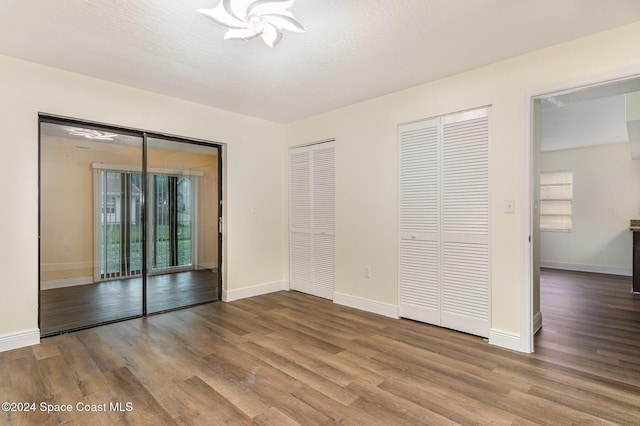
(366, 305)
(207, 266)
(505, 339)
(19, 340)
(537, 322)
(598, 269)
(67, 266)
(65, 282)
(243, 293)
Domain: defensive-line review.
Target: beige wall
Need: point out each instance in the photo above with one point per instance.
(604, 177)
(366, 161)
(254, 165)
(67, 200)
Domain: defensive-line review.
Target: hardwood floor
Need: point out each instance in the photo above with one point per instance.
(289, 358)
(70, 308)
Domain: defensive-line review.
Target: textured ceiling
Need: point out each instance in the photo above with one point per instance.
(352, 50)
(587, 116)
(582, 124)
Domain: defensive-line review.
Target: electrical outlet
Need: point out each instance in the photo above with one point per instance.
(611, 211)
(367, 271)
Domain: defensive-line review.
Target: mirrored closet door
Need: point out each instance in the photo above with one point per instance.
(91, 249)
(182, 212)
(128, 224)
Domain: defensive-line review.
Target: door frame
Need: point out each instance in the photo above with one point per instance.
(527, 323)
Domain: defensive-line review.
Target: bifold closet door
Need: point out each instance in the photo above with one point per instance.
(465, 222)
(444, 221)
(312, 219)
(419, 247)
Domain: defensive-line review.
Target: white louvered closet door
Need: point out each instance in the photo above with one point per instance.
(324, 219)
(465, 222)
(444, 221)
(300, 230)
(312, 219)
(419, 258)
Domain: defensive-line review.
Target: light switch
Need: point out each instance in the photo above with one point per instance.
(509, 206)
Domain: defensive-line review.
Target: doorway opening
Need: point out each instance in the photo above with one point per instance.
(585, 189)
(128, 224)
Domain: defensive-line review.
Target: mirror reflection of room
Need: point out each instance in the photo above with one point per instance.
(93, 226)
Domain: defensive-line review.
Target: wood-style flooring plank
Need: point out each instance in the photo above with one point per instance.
(290, 358)
(389, 408)
(303, 375)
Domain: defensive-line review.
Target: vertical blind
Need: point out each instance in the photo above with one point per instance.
(119, 222)
(556, 201)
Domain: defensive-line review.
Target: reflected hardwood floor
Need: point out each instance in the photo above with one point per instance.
(69, 308)
(289, 358)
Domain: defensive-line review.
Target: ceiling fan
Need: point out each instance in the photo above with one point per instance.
(247, 19)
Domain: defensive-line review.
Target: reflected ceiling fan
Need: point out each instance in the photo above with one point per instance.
(248, 19)
(91, 134)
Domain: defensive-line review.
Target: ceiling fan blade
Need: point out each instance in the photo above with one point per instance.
(220, 15)
(260, 7)
(244, 34)
(271, 35)
(285, 22)
(239, 8)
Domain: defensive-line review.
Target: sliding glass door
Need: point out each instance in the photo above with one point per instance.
(171, 215)
(119, 222)
(128, 224)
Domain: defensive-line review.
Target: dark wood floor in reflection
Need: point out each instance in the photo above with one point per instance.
(80, 306)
